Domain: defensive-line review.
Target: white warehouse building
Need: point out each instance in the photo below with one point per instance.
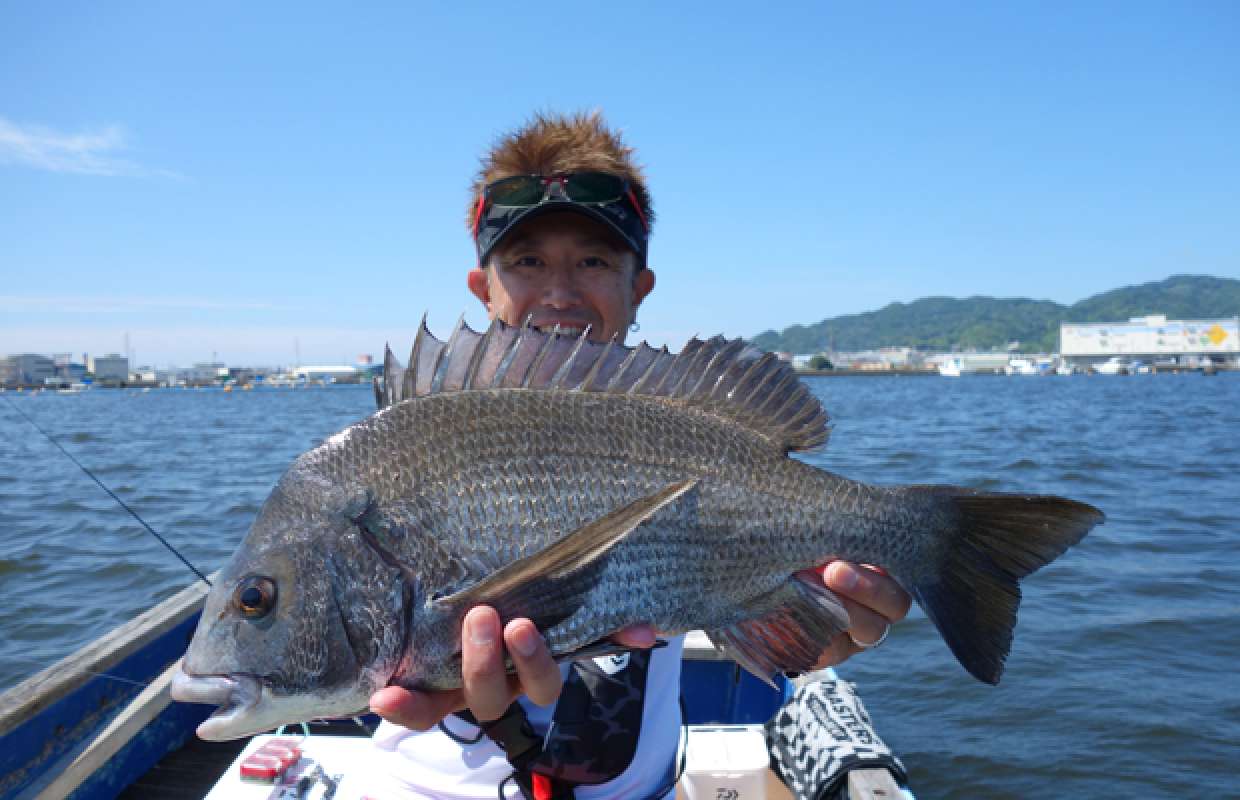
(1153, 338)
(109, 369)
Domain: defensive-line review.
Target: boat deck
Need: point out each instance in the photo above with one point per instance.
(190, 772)
(187, 774)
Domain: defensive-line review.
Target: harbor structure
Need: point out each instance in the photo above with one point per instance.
(67, 371)
(882, 359)
(1153, 338)
(26, 369)
(956, 364)
(327, 373)
(112, 368)
(205, 373)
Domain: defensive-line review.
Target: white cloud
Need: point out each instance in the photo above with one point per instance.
(61, 304)
(88, 153)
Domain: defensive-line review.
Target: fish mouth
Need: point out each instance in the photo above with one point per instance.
(249, 706)
(237, 696)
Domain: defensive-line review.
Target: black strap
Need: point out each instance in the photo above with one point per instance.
(513, 734)
(593, 734)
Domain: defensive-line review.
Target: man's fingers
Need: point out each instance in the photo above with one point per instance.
(865, 627)
(537, 671)
(417, 710)
(640, 636)
(837, 651)
(486, 686)
(868, 587)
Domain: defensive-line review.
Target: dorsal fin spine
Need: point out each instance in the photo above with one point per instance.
(440, 369)
(505, 362)
(730, 394)
(791, 405)
(729, 350)
(410, 384)
(793, 409)
(679, 367)
(542, 355)
(728, 375)
(616, 380)
(775, 391)
(587, 383)
(389, 372)
(689, 368)
(758, 379)
(475, 358)
(557, 380)
(639, 385)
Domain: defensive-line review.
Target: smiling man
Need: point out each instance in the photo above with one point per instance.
(564, 269)
(561, 218)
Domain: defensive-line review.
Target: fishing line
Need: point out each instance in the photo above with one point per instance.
(107, 675)
(111, 493)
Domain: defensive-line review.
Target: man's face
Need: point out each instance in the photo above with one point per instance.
(563, 268)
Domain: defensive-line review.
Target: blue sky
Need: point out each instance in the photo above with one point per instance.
(249, 178)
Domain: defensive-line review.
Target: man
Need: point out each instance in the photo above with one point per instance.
(561, 219)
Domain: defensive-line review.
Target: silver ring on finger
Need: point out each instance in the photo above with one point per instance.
(870, 645)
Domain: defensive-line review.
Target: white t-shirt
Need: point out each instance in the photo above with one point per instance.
(413, 765)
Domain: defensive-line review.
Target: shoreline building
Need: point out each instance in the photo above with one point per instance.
(109, 369)
(26, 369)
(1156, 339)
(204, 373)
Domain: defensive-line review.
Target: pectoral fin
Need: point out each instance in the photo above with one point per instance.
(551, 584)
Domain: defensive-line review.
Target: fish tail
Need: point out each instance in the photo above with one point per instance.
(994, 540)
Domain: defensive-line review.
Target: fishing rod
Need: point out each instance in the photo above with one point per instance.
(111, 493)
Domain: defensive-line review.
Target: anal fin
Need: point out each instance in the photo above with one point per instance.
(791, 627)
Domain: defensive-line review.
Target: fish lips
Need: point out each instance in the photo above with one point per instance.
(239, 697)
(248, 706)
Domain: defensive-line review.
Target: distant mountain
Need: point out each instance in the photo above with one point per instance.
(948, 323)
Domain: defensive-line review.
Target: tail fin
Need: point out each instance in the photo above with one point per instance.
(996, 539)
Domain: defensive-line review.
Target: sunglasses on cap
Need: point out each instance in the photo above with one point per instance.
(578, 187)
(601, 195)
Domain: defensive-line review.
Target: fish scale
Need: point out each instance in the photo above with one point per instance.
(562, 475)
(587, 487)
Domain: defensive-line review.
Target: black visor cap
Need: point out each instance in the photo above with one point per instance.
(620, 217)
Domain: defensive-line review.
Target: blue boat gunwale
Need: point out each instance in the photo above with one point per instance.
(49, 719)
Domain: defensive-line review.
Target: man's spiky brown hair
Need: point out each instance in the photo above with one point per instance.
(553, 144)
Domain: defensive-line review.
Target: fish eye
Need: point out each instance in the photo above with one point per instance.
(255, 596)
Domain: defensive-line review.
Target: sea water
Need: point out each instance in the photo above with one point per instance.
(1122, 678)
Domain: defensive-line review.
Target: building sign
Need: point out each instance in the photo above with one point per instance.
(1151, 336)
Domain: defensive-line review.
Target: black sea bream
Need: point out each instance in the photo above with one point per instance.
(586, 486)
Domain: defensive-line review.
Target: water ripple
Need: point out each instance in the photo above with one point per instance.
(1123, 658)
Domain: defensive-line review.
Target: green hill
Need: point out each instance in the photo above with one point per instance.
(948, 323)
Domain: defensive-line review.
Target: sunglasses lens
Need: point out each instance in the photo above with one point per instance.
(522, 190)
(593, 187)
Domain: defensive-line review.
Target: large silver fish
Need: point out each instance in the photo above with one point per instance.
(586, 486)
